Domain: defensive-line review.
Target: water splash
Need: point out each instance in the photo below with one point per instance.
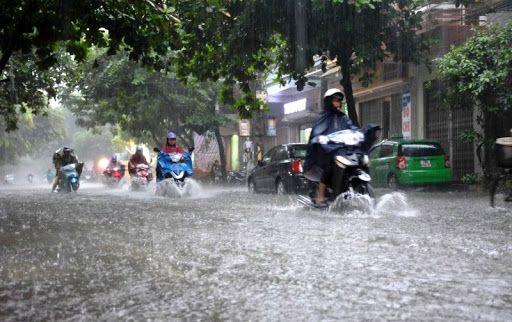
(190, 189)
(361, 206)
(394, 204)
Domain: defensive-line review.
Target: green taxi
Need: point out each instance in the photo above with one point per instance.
(409, 162)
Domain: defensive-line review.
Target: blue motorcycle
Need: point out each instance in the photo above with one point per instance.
(70, 177)
(176, 166)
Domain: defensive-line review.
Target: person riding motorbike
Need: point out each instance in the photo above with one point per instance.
(113, 163)
(136, 159)
(63, 157)
(170, 144)
(318, 166)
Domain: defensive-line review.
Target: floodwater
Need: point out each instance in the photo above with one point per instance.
(224, 254)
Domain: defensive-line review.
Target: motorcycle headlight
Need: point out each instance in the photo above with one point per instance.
(176, 157)
(342, 162)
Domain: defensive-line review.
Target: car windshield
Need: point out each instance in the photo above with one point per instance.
(421, 149)
(298, 151)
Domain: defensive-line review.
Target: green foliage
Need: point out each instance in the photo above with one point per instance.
(471, 178)
(238, 40)
(481, 69)
(232, 42)
(147, 105)
(32, 137)
(25, 89)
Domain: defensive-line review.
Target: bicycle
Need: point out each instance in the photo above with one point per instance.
(501, 186)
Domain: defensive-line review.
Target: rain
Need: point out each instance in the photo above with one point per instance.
(299, 160)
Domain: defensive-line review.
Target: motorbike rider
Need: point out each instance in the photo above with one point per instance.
(114, 162)
(136, 159)
(170, 144)
(318, 166)
(63, 157)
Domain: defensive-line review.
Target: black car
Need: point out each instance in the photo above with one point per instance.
(280, 171)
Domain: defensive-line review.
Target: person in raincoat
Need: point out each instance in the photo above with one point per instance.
(318, 166)
(63, 157)
(170, 145)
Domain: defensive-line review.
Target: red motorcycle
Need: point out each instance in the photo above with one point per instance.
(114, 175)
(140, 176)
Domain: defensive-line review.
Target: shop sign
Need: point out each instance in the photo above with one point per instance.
(406, 115)
(245, 127)
(294, 107)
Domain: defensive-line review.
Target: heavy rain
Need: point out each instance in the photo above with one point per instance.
(299, 160)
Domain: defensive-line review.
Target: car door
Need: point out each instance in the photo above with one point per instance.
(387, 160)
(276, 166)
(375, 165)
(272, 169)
(261, 173)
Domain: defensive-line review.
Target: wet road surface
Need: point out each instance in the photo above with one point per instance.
(115, 255)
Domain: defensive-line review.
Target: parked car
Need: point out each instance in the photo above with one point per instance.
(280, 171)
(409, 162)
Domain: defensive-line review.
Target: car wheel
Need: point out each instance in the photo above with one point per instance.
(252, 186)
(392, 182)
(280, 187)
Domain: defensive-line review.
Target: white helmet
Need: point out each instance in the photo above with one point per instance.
(333, 92)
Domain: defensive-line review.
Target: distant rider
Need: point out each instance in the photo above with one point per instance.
(319, 166)
(136, 159)
(63, 157)
(113, 163)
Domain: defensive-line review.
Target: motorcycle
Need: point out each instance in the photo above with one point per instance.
(114, 175)
(172, 169)
(237, 177)
(70, 177)
(347, 150)
(141, 177)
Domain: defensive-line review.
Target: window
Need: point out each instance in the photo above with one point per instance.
(268, 156)
(386, 150)
(280, 154)
(298, 151)
(421, 150)
(374, 153)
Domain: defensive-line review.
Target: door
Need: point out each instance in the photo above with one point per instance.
(263, 171)
(375, 165)
(271, 171)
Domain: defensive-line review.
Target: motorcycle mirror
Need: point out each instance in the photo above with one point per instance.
(156, 150)
(191, 149)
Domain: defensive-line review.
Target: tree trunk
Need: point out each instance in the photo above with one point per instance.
(222, 153)
(346, 81)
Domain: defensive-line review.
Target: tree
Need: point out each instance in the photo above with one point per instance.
(147, 105)
(240, 39)
(479, 73)
(143, 27)
(36, 32)
(33, 137)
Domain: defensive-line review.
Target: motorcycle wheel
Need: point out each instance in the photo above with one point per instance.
(364, 188)
(74, 186)
(252, 187)
(338, 182)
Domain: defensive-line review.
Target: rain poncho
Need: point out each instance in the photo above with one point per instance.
(330, 120)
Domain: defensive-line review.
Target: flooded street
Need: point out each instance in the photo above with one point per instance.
(228, 255)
